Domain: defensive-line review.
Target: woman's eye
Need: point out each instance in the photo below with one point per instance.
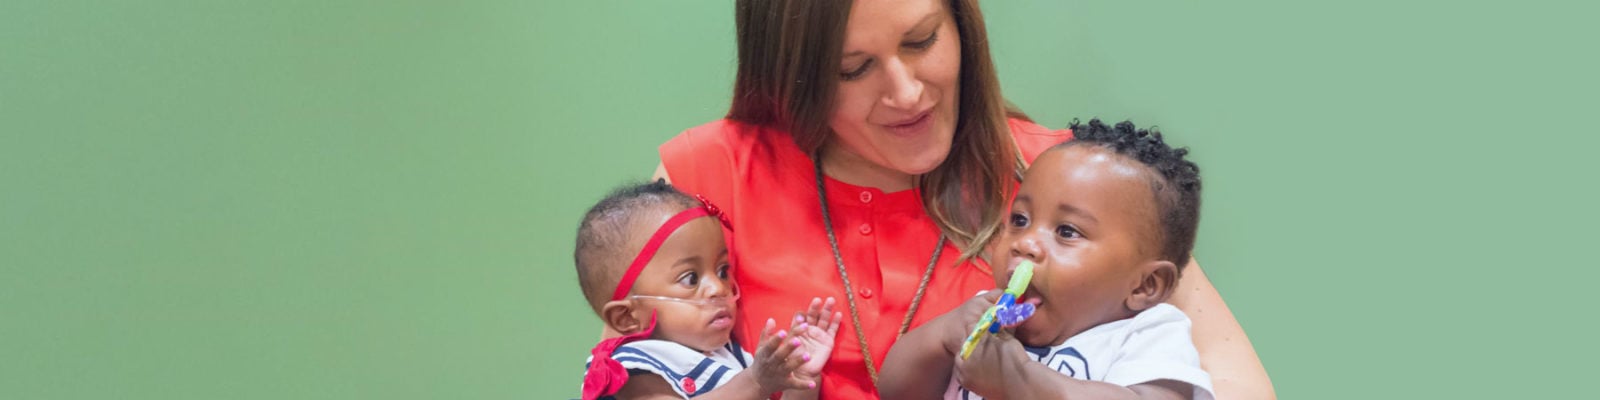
(1067, 231)
(689, 279)
(924, 43)
(856, 73)
(1019, 220)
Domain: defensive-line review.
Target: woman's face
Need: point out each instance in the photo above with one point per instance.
(897, 100)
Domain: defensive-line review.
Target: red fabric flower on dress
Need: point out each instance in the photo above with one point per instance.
(605, 375)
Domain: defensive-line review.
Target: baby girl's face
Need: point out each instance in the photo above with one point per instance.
(692, 264)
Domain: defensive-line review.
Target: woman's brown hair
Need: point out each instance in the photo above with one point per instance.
(788, 74)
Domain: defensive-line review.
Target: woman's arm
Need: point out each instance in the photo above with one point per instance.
(1225, 351)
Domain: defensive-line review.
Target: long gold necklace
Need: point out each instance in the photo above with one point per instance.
(849, 294)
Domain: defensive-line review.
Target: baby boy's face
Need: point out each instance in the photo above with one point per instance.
(691, 264)
(1080, 216)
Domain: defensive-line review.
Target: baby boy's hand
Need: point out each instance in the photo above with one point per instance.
(985, 372)
(816, 328)
(958, 323)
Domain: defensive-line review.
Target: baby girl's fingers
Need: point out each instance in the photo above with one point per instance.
(785, 349)
(801, 323)
(814, 312)
(796, 359)
(769, 341)
(767, 330)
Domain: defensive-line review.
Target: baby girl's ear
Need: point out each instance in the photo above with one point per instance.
(619, 316)
(1157, 280)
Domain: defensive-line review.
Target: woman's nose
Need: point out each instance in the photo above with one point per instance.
(904, 88)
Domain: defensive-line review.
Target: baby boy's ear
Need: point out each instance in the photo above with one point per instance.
(1157, 280)
(618, 315)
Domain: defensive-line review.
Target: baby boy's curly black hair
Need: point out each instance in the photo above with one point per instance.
(608, 232)
(1175, 181)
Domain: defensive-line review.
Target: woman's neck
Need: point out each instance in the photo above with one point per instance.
(848, 167)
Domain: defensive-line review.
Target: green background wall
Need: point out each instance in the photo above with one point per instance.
(376, 199)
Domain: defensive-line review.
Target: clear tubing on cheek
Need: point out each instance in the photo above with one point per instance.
(702, 302)
(726, 294)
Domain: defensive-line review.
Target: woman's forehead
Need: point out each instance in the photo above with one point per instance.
(876, 23)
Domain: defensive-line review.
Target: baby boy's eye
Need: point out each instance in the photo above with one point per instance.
(1067, 231)
(1019, 220)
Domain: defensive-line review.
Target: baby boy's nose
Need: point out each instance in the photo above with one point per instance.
(1025, 247)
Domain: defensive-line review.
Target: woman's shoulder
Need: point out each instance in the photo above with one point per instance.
(712, 158)
(1032, 138)
(720, 136)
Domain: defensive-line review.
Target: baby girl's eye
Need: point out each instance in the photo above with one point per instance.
(722, 271)
(1019, 220)
(1067, 231)
(689, 279)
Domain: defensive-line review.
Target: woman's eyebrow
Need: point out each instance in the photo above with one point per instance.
(926, 20)
(916, 27)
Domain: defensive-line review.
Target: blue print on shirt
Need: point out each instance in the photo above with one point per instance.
(1066, 360)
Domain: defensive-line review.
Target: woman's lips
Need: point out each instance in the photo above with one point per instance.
(914, 126)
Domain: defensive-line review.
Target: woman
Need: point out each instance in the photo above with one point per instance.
(868, 155)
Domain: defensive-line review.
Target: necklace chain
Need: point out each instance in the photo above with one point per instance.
(849, 294)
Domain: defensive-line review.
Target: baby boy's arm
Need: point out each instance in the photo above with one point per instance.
(920, 363)
(1036, 381)
(917, 367)
(1000, 368)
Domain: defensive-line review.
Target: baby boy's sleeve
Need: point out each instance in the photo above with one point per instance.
(1159, 347)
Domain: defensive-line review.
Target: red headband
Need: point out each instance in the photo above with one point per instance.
(649, 251)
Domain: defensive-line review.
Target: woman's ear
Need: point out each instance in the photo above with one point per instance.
(1157, 280)
(618, 315)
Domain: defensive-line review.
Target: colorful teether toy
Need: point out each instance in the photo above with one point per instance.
(1006, 312)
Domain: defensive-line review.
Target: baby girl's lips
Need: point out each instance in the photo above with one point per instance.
(722, 320)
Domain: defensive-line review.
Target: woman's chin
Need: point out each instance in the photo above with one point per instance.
(921, 163)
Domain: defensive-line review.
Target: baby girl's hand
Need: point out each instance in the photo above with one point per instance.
(776, 361)
(816, 328)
